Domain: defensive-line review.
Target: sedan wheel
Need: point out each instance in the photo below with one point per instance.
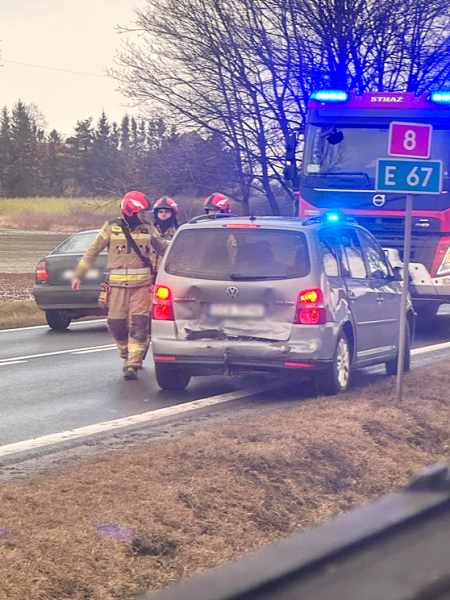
(58, 319)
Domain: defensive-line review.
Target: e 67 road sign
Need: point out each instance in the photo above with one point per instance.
(409, 176)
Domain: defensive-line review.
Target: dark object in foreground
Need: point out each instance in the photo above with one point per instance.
(397, 548)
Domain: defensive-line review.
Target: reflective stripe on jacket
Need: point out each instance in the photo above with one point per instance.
(125, 266)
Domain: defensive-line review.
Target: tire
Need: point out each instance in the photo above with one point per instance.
(335, 379)
(426, 313)
(171, 378)
(58, 319)
(391, 365)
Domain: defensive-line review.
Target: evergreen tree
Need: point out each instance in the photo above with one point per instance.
(134, 133)
(55, 137)
(104, 160)
(53, 165)
(23, 135)
(80, 151)
(125, 133)
(115, 135)
(142, 134)
(6, 157)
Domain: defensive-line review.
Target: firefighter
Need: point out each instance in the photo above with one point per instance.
(129, 240)
(216, 203)
(165, 211)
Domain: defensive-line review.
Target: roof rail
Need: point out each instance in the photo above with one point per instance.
(211, 217)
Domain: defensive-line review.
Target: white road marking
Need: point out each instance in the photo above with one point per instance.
(67, 351)
(13, 362)
(113, 347)
(47, 327)
(74, 434)
(432, 348)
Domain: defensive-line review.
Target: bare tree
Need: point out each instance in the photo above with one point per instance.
(244, 69)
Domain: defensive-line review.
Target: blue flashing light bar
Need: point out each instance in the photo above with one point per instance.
(440, 97)
(329, 96)
(329, 217)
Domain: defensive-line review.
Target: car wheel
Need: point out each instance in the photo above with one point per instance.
(335, 379)
(58, 319)
(170, 377)
(391, 365)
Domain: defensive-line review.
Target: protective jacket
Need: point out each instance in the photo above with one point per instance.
(125, 267)
(157, 256)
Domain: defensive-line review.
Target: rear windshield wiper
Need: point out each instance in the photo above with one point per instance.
(241, 277)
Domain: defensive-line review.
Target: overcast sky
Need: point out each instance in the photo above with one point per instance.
(77, 35)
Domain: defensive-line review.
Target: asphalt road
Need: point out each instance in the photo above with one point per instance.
(56, 381)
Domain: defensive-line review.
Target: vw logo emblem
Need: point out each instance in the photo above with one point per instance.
(379, 200)
(232, 292)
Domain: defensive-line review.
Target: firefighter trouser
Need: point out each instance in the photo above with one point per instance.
(129, 322)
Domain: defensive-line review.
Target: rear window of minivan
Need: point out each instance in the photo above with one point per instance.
(232, 254)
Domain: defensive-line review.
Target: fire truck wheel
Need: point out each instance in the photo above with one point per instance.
(427, 313)
(58, 319)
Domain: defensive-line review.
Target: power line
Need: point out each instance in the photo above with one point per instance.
(15, 62)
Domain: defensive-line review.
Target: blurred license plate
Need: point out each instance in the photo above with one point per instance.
(91, 274)
(254, 311)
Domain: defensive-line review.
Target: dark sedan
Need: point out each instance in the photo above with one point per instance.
(53, 292)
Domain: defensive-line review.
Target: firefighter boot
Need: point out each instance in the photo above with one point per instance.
(130, 373)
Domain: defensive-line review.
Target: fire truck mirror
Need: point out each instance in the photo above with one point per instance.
(335, 137)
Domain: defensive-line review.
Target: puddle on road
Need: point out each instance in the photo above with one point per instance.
(20, 251)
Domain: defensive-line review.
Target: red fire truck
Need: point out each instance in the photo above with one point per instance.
(345, 135)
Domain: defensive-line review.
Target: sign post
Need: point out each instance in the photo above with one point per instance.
(403, 175)
(402, 340)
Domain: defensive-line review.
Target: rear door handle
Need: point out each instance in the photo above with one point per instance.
(380, 299)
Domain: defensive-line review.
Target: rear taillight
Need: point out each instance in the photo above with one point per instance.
(162, 304)
(41, 272)
(441, 262)
(310, 309)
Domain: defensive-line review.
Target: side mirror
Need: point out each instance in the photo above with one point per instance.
(291, 145)
(398, 274)
(335, 137)
(290, 172)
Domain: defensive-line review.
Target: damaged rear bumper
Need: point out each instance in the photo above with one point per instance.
(309, 348)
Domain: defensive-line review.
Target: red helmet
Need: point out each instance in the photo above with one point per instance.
(217, 200)
(134, 202)
(166, 203)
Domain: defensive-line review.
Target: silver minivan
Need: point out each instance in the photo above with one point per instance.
(259, 294)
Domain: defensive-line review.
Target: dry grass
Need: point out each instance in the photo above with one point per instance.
(69, 215)
(56, 206)
(122, 523)
(22, 313)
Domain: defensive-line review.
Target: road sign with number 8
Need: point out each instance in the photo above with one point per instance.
(412, 140)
